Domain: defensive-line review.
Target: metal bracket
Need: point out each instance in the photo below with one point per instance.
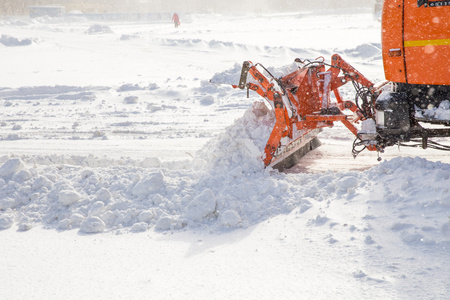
(244, 72)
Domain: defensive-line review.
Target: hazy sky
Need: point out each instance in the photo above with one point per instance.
(109, 6)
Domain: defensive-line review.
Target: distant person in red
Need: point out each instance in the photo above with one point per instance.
(176, 20)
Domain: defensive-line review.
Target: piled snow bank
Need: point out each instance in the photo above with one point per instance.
(412, 197)
(202, 206)
(227, 187)
(6, 221)
(238, 150)
(99, 29)
(10, 167)
(68, 197)
(10, 41)
(415, 208)
(230, 76)
(438, 113)
(366, 51)
(92, 225)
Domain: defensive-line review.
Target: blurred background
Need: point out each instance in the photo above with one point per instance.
(22, 7)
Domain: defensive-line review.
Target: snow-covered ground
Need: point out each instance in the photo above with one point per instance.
(126, 173)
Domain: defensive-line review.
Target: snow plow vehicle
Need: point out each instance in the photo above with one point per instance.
(401, 111)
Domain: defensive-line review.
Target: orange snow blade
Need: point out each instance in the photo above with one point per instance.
(295, 151)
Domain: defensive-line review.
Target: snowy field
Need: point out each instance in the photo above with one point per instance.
(126, 174)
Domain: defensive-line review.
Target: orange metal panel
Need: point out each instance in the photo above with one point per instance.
(427, 42)
(392, 40)
(416, 41)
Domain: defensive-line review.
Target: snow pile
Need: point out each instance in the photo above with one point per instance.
(442, 112)
(365, 51)
(110, 198)
(10, 41)
(130, 87)
(213, 44)
(127, 37)
(227, 187)
(58, 92)
(230, 76)
(420, 205)
(15, 22)
(99, 29)
(238, 150)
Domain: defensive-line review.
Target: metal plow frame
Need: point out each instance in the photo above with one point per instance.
(302, 105)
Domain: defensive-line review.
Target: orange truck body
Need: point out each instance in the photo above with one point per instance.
(416, 41)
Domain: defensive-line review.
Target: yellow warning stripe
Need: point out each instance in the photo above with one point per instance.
(422, 43)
